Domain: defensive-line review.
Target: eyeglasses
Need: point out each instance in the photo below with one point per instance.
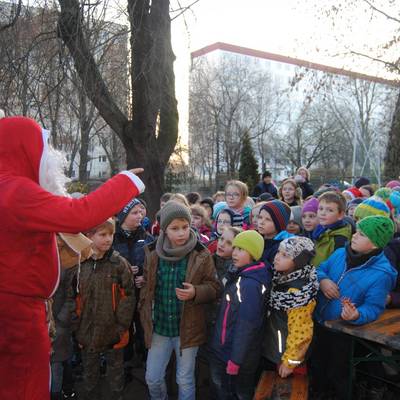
(223, 222)
(234, 194)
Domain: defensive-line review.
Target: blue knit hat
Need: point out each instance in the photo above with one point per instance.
(127, 209)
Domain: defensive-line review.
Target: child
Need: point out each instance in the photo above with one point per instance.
(290, 192)
(223, 255)
(294, 289)
(223, 220)
(129, 240)
(354, 284)
(180, 277)
(294, 225)
(272, 221)
(208, 204)
(371, 206)
(236, 193)
(352, 205)
(200, 222)
(254, 215)
(155, 228)
(332, 232)
(309, 216)
(105, 301)
(237, 336)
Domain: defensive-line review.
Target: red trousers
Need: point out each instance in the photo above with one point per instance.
(24, 349)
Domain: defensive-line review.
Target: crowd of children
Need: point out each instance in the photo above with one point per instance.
(246, 282)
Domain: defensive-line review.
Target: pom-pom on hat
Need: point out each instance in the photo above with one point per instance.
(310, 205)
(300, 249)
(279, 212)
(252, 242)
(371, 206)
(173, 210)
(378, 229)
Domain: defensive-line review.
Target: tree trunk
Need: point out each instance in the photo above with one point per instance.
(392, 157)
(150, 137)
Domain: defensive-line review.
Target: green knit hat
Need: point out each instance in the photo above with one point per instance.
(378, 229)
(172, 210)
(252, 242)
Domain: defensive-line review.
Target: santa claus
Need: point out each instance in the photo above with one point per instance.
(33, 206)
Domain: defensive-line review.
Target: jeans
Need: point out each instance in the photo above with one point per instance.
(157, 361)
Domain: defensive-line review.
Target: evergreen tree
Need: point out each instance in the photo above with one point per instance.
(248, 170)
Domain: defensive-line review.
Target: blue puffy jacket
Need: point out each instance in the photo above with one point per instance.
(366, 286)
(238, 333)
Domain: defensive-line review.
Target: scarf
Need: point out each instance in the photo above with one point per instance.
(320, 229)
(354, 259)
(165, 251)
(285, 300)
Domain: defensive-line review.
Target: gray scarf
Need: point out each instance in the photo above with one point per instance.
(165, 251)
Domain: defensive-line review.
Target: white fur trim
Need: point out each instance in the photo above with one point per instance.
(2, 115)
(45, 137)
(135, 179)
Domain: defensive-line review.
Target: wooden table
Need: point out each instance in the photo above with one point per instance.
(385, 332)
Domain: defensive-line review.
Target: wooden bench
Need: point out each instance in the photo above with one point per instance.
(271, 386)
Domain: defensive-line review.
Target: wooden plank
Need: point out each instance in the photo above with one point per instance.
(385, 330)
(271, 386)
(265, 385)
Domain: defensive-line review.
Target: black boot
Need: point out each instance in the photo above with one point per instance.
(375, 393)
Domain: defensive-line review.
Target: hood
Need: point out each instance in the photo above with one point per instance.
(382, 263)
(283, 235)
(22, 145)
(258, 271)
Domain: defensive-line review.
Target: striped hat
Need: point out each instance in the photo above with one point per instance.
(279, 212)
(393, 184)
(383, 193)
(371, 206)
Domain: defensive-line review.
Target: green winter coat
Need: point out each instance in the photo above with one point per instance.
(330, 241)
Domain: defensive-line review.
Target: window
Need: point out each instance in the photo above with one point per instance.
(104, 158)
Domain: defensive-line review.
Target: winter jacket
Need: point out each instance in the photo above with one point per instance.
(306, 189)
(237, 336)
(105, 300)
(288, 334)
(366, 286)
(30, 215)
(329, 241)
(132, 248)
(392, 252)
(263, 187)
(200, 272)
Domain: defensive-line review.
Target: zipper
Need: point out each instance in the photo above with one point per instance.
(224, 322)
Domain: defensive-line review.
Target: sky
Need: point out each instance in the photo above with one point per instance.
(300, 29)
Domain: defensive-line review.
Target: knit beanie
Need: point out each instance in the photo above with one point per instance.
(353, 192)
(279, 212)
(218, 207)
(266, 196)
(295, 215)
(121, 216)
(378, 229)
(371, 206)
(300, 249)
(383, 193)
(361, 182)
(310, 205)
(172, 210)
(393, 184)
(252, 242)
(395, 202)
(355, 202)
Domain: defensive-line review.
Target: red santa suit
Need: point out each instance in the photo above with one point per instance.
(29, 269)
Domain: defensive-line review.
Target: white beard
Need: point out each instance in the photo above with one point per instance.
(52, 176)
